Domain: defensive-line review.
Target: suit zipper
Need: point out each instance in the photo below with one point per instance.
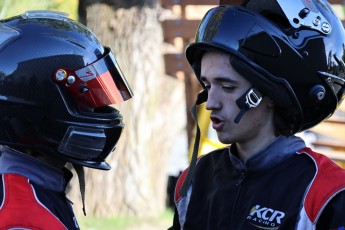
(239, 185)
(241, 179)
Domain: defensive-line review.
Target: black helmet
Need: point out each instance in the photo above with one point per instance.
(57, 83)
(292, 51)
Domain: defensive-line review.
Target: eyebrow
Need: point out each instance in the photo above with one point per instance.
(219, 79)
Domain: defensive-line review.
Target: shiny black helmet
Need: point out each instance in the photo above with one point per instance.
(57, 83)
(292, 51)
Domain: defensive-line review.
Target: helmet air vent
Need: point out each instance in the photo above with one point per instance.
(7, 34)
(45, 14)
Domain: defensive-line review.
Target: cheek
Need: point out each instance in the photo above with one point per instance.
(260, 116)
(232, 110)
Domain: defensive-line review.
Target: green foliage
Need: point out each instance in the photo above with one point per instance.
(10, 8)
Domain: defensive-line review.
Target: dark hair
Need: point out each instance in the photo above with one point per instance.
(285, 121)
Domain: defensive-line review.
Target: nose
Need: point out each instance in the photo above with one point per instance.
(212, 102)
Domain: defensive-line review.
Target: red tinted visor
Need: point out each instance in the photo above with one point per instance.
(96, 85)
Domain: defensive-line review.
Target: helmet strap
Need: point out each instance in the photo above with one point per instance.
(81, 177)
(250, 99)
(202, 97)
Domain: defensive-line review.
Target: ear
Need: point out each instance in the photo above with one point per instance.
(270, 103)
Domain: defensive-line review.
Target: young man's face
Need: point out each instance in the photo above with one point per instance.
(225, 86)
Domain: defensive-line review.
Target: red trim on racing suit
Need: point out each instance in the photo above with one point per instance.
(263, 193)
(32, 194)
(19, 195)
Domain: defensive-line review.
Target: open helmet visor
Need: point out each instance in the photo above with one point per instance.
(96, 85)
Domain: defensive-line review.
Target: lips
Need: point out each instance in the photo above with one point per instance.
(217, 122)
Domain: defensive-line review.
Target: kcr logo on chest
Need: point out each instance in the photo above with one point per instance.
(265, 218)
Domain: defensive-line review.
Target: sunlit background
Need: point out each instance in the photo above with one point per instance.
(148, 38)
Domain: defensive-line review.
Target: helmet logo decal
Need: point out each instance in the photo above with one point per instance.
(86, 74)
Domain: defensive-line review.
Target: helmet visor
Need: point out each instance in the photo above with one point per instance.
(96, 85)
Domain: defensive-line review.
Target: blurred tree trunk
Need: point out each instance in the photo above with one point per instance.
(136, 184)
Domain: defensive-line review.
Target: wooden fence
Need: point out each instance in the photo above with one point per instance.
(180, 30)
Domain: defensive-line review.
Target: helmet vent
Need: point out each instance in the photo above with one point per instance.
(45, 14)
(262, 43)
(7, 34)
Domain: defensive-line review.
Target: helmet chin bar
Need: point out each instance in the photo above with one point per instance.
(83, 143)
(250, 99)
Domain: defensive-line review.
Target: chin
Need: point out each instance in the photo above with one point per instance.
(224, 140)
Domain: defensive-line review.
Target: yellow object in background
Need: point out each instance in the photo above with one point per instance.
(208, 136)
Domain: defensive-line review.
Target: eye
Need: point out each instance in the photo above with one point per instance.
(228, 88)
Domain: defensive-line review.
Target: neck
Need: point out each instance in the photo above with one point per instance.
(52, 161)
(248, 149)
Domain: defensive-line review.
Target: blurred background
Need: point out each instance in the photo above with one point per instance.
(148, 38)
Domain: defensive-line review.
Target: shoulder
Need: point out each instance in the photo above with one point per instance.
(204, 161)
(332, 217)
(329, 180)
(327, 171)
(213, 157)
(27, 211)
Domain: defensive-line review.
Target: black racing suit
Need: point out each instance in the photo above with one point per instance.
(284, 186)
(32, 194)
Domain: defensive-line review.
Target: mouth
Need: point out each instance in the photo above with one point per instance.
(217, 123)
